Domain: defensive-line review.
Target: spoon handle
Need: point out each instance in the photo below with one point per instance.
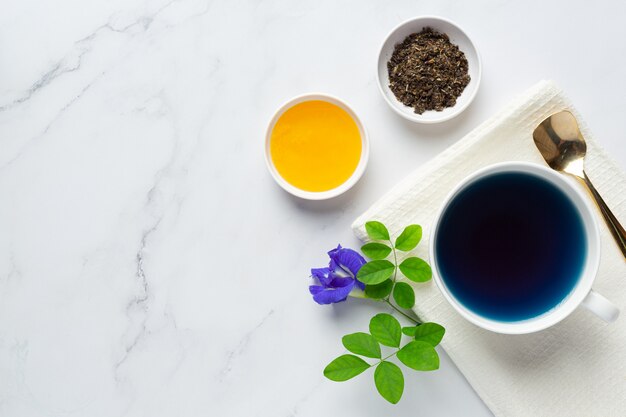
(617, 230)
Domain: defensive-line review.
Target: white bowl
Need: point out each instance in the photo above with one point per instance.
(320, 195)
(457, 37)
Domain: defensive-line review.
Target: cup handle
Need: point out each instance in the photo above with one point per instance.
(600, 306)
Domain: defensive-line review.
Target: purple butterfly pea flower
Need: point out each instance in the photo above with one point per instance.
(339, 278)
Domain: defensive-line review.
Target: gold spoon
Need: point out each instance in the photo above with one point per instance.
(563, 147)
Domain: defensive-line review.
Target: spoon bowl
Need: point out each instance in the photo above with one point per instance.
(561, 144)
(563, 147)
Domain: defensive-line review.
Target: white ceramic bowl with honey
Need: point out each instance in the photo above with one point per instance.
(458, 37)
(345, 185)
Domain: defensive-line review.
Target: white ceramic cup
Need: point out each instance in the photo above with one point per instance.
(582, 294)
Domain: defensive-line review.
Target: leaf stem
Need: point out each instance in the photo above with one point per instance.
(395, 274)
(389, 356)
(395, 261)
(401, 312)
(384, 359)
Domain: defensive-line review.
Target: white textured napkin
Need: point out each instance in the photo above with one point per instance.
(576, 368)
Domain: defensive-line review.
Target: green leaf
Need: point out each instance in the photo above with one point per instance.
(386, 329)
(389, 381)
(345, 367)
(420, 356)
(379, 291)
(409, 331)
(431, 333)
(377, 230)
(409, 238)
(362, 344)
(374, 250)
(404, 295)
(416, 269)
(375, 272)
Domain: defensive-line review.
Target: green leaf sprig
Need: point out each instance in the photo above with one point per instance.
(380, 277)
(418, 353)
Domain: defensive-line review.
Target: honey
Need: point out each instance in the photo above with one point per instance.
(315, 146)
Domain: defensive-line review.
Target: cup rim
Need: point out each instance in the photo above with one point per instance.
(317, 195)
(587, 276)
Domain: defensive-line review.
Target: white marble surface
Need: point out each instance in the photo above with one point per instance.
(149, 266)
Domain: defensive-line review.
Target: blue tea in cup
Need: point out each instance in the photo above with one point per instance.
(515, 249)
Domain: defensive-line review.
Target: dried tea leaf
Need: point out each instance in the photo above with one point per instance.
(427, 71)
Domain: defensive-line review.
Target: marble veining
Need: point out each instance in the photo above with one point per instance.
(149, 266)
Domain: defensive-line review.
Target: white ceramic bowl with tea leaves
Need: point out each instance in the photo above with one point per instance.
(458, 37)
